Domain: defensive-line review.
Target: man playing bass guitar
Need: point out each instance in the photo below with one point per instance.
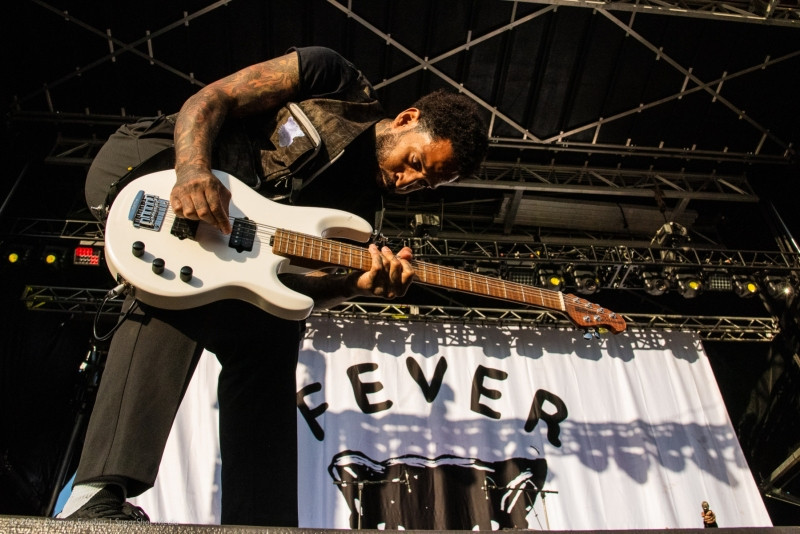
(304, 129)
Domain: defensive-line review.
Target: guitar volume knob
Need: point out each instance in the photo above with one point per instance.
(186, 273)
(137, 249)
(158, 266)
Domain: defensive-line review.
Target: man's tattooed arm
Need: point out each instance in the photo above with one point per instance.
(197, 193)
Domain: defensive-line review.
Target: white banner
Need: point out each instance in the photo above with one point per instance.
(418, 425)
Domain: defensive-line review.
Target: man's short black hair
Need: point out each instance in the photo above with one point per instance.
(448, 115)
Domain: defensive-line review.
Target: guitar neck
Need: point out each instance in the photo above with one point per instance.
(324, 251)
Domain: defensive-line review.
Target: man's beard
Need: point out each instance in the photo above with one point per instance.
(384, 143)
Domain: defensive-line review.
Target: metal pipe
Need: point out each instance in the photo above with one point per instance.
(13, 189)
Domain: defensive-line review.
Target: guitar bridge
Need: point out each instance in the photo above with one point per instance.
(148, 211)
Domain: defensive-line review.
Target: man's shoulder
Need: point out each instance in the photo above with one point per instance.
(325, 73)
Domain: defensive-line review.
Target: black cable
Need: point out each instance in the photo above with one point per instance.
(113, 293)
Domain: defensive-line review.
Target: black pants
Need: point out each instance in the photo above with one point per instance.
(150, 363)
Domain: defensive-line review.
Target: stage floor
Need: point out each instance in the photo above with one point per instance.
(19, 525)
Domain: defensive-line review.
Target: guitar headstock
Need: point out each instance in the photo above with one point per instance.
(588, 315)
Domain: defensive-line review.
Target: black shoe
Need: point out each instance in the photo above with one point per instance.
(106, 504)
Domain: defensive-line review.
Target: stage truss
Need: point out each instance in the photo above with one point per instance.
(89, 301)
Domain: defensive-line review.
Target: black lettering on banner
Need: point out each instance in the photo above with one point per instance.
(362, 389)
(430, 391)
(552, 419)
(311, 414)
(479, 389)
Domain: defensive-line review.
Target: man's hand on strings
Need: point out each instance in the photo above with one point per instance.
(390, 275)
(199, 195)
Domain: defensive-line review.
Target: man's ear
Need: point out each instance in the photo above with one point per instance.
(407, 118)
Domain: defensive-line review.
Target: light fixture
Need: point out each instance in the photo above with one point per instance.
(744, 286)
(53, 257)
(87, 255)
(522, 276)
(586, 281)
(487, 269)
(778, 287)
(689, 285)
(16, 254)
(655, 283)
(719, 280)
(425, 224)
(551, 279)
(671, 234)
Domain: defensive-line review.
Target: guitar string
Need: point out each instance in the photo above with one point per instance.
(461, 279)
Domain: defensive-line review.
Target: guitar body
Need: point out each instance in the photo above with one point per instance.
(219, 270)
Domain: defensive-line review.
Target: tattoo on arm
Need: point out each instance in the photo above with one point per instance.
(252, 90)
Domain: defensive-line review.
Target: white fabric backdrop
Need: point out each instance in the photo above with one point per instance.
(646, 439)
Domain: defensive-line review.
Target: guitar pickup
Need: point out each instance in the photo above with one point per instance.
(183, 228)
(243, 235)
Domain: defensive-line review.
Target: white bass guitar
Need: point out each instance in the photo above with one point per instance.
(175, 263)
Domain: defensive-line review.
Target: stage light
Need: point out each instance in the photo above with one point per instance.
(778, 287)
(16, 254)
(425, 224)
(551, 279)
(655, 283)
(718, 281)
(53, 257)
(586, 281)
(522, 276)
(744, 286)
(689, 285)
(671, 234)
(87, 255)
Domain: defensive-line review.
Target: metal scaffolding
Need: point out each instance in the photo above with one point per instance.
(586, 138)
(719, 328)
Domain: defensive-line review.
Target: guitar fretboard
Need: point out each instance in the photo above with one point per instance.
(292, 244)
